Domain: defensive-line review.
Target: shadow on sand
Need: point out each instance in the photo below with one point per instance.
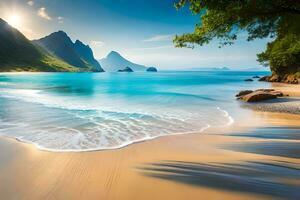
(291, 133)
(251, 177)
(276, 178)
(277, 141)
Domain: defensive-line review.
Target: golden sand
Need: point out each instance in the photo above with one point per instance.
(144, 170)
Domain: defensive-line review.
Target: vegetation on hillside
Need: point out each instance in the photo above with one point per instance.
(17, 53)
(223, 20)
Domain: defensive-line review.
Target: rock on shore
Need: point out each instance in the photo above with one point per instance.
(292, 79)
(258, 95)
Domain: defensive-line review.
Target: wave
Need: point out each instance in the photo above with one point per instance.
(61, 124)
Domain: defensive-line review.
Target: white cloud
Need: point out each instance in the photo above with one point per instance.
(160, 38)
(42, 13)
(31, 3)
(96, 43)
(60, 20)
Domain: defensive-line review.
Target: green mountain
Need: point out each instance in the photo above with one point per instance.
(54, 53)
(86, 54)
(77, 54)
(17, 53)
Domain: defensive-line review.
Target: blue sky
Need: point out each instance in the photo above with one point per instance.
(141, 30)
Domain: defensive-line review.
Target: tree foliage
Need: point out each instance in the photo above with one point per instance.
(224, 19)
(283, 54)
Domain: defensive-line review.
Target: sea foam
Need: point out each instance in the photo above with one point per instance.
(67, 115)
(56, 124)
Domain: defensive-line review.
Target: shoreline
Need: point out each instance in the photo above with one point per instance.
(38, 147)
(104, 149)
(247, 160)
(110, 174)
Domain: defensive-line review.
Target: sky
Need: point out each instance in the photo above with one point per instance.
(140, 30)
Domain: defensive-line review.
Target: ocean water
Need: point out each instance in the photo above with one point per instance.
(98, 111)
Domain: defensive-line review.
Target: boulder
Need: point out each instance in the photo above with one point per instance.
(266, 90)
(127, 69)
(274, 78)
(258, 95)
(264, 78)
(256, 77)
(277, 93)
(290, 78)
(151, 69)
(243, 92)
(248, 80)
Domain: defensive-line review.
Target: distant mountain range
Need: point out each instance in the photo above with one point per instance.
(55, 52)
(114, 62)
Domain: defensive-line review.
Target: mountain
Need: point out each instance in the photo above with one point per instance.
(17, 53)
(87, 55)
(54, 53)
(77, 54)
(114, 62)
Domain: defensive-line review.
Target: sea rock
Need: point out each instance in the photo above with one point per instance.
(151, 69)
(266, 90)
(274, 78)
(256, 77)
(127, 69)
(258, 95)
(291, 78)
(243, 92)
(264, 78)
(248, 80)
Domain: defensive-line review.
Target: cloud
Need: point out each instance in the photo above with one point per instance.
(60, 20)
(42, 13)
(96, 43)
(31, 3)
(160, 38)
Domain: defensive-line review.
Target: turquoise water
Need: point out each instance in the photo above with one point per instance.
(97, 111)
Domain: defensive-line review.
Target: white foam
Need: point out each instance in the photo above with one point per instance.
(38, 146)
(226, 114)
(90, 126)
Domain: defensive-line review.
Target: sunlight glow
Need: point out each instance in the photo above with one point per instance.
(15, 21)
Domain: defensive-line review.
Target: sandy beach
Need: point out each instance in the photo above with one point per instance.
(255, 158)
(149, 100)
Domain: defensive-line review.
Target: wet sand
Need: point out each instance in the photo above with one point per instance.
(252, 159)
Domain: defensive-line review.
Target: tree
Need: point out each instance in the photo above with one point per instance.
(224, 19)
